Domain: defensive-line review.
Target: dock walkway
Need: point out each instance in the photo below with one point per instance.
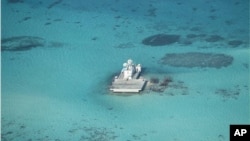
(132, 85)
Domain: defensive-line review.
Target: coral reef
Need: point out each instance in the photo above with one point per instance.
(154, 80)
(25, 19)
(159, 86)
(195, 36)
(47, 23)
(161, 39)
(166, 86)
(95, 134)
(15, 129)
(156, 88)
(54, 4)
(24, 43)
(21, 43)
(214, 38)
(197, 59)
(228, 93)
(235, 43)
(166, 81)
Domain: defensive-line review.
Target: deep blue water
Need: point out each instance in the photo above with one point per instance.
(59, 57)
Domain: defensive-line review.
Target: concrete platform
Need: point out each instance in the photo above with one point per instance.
(129, 79)
(132, 85)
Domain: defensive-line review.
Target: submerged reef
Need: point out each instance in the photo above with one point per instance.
(25, 43)
(166, 86)
(161, 39)
(154, 80)
(18, 129)
(194, 36)
(21, 43)
(94, 133)
(157, 86)
(214, 38)
(197, 59)
(235, 43)
(226, 94)
(54, 4)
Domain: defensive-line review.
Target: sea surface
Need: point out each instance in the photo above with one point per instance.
(58, 59)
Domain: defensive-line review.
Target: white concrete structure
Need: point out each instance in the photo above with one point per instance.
(128, 80)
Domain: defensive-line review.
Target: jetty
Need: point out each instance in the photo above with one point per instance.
(129, 80)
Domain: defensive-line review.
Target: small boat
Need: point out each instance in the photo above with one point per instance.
(129, 79)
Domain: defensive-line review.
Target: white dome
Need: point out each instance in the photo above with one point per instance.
(130, 61)
(125, 64)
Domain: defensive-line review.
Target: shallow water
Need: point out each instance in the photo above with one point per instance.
(58, 90)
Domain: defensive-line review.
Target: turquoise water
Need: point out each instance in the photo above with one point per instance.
(55, 83)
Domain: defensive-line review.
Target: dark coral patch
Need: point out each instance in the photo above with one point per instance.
(228, 93)
(166, 81)
(214, 38)
(54, 4)
(157, 86)
(235, 43)
(26, 18)
(21, 43)
(94, 133)
(161, 39)
(197, 59)
(154, 80)
(47, 23)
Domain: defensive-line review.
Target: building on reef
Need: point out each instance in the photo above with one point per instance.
(129, 79)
